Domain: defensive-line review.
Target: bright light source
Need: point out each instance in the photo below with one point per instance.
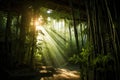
(49, 11)
(39, 21)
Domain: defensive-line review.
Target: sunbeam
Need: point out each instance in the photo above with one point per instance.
(52, 47)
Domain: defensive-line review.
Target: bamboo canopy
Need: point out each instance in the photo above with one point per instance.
(61, 5)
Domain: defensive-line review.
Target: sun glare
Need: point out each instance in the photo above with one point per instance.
(39, 22)
(38, 25)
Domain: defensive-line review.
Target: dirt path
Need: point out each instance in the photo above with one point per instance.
(64, 74)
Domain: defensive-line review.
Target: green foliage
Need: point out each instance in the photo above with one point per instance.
(103, 60)
(81, 58)
(3, 19)
(100, 60)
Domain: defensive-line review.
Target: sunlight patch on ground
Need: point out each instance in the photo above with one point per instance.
(64, 74)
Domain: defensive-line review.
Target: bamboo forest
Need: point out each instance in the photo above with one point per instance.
(59, 40)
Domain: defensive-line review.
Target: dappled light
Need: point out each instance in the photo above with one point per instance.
(59, 40)
(65, 74)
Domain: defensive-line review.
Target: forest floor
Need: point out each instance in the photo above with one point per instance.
(67, 73)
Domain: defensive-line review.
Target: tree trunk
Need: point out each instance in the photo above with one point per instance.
(74, 25)
(8, 39)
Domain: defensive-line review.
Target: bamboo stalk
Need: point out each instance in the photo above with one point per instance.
(75, 29)
(113, 33)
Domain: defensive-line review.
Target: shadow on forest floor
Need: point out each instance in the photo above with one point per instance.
(62, 73)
